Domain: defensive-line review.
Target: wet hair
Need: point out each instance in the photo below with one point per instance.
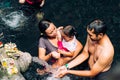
(43, 25)
(69, 31)
(98, 26)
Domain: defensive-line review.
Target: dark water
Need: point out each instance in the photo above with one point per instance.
(78, 13)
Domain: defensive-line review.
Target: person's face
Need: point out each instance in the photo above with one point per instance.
(51, 31)
(65, 37)
(92, 35)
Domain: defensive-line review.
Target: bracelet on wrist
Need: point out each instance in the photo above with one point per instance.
(66, 65)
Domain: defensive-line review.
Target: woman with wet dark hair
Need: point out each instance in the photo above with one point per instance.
(48, 42)
(48, 46)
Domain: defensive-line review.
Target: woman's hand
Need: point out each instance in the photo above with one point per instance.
(59, 36)
(61, 72)
(61, 51)
(55, 54)
(65, 53)
(60, 28)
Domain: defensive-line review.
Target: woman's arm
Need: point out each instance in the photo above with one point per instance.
(21, 1)
(43, 2)
(66, 53)
(42, 55)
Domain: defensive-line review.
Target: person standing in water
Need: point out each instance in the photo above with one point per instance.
(39, 3)
(48, 44)
(98, 49)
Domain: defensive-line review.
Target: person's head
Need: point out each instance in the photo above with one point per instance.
(47, 28)
(68, 32)
(96, 29)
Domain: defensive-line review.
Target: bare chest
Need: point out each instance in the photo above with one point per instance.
(94, 51)
(92, 48)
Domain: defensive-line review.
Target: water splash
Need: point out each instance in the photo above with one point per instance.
(53, 78)
(51, 72)
(1, 35)
(14, 19)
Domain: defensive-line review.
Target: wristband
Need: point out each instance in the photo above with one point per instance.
(66, 65)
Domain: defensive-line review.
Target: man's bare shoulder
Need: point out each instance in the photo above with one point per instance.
(107, 45)
(106, 54)
(105, 50)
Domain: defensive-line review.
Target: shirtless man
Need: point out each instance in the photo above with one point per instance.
(98, 49)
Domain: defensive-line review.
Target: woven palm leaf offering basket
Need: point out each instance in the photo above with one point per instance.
(13, 61)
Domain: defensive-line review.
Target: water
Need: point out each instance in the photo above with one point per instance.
(53, 78)
(80, 13)
(31, 74)
(14, 19)
(18, 23)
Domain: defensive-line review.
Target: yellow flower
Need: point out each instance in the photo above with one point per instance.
(4, 64)
(14, 70)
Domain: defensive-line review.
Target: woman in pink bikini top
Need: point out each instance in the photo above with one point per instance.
(33, 2)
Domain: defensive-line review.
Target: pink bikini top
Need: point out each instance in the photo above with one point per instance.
(31, 2)
(60, 46)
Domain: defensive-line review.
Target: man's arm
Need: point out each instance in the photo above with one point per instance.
(104, 60)
(78, 60)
